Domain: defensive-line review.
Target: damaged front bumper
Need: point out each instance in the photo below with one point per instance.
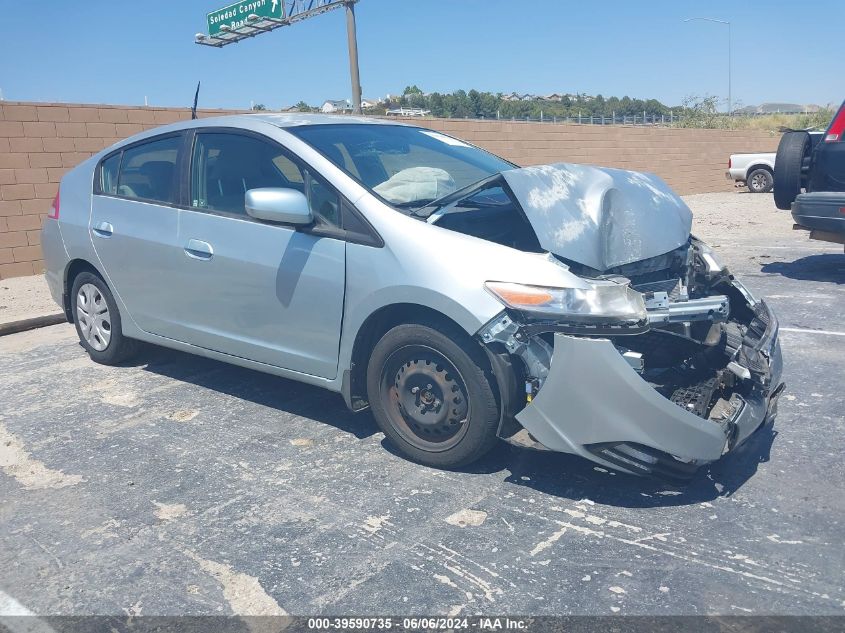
(594, 403)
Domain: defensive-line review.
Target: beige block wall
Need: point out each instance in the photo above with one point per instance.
(39, 142)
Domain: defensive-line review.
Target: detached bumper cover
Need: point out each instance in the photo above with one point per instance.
(595, 405)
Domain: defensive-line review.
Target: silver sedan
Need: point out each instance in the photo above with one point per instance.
(458, 297)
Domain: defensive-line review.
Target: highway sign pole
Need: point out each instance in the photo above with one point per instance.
(726, 22)
(353, 56)
(248, 18)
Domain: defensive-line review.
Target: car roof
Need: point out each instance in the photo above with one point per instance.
(294, 119)
(249, 121)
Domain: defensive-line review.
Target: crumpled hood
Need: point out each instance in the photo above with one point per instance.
(600, 217)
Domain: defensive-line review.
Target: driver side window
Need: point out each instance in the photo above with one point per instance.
(225, 166)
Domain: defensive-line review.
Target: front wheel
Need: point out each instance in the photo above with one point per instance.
(430, 394)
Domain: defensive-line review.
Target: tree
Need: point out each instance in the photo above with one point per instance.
(259, 106)
(488, 105)
(475, 103)
(437, 105)
(700, 112)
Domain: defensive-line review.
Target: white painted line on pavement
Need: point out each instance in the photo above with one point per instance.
(16, 618)
(10, 606)
(801, 248)
(801, 330)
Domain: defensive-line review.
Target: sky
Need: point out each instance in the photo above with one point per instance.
(98, 51)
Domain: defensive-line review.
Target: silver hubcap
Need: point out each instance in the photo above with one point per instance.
(92, 314)
(758, 181)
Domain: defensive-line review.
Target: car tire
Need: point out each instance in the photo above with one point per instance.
(760, 180)
(431, 395)
(97, 321)
(789, 162)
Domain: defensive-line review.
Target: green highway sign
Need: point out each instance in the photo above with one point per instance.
(235, 15)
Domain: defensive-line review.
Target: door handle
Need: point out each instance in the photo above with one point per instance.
(197, 249)
(103, 229)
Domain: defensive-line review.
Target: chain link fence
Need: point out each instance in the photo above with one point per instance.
(614, 119)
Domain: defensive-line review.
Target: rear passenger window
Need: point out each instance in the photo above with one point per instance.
(148, 171)
(108, 174)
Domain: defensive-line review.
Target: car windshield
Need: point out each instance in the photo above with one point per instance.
(409, 167)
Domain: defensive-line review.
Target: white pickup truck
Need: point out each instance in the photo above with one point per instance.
(756, 171)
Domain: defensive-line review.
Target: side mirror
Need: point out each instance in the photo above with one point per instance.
(286, 206)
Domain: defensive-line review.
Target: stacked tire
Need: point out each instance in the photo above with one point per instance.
(790, 168)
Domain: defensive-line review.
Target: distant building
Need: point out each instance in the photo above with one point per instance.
(408, 112)
(778, 108)
(514, 96)
(366, 104)
(555, 97)
(332, 105)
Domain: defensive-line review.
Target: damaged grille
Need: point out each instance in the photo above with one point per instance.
(696, 398)
(692, 390)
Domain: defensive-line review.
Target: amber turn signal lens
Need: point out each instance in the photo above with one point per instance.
(519, 295)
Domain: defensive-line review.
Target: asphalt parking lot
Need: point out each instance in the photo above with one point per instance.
(179, 485)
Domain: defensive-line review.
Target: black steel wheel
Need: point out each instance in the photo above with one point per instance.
(431, 394)
(425, 397)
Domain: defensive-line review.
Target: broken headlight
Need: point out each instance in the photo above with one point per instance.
(712, 264)
(599, 303)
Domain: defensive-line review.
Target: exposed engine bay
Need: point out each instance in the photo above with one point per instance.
(704, 346)
(703, 328)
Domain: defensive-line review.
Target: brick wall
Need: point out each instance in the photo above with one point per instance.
(689, 160)
(39, 142)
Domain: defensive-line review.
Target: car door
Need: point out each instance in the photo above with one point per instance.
(253, 289)
(134, 225)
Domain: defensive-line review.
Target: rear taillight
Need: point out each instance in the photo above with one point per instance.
(837, 127)
(730, 160)
(54, 208)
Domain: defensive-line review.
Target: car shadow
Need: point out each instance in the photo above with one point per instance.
(555, 474)
(828, 267)
(267, 390)
(575, 478)
(572, 477)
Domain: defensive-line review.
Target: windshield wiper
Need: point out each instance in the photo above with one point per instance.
(435, 205)
(413, 204)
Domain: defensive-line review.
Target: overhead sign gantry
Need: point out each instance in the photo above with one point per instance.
(249, 18)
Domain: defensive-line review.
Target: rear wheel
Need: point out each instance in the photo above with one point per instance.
(759, 181)
(97, 321)
(789, 162)
(431, 396)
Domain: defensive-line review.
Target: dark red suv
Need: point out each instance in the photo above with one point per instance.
(810, 179)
